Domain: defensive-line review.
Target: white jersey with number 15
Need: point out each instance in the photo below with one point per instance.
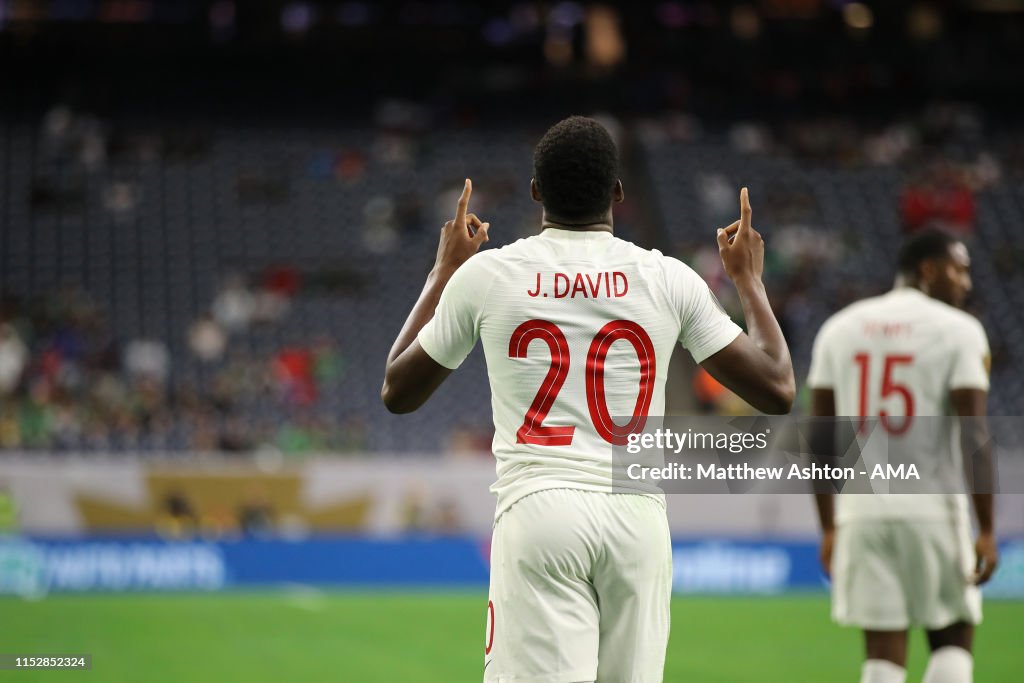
(897, 357)
(577, 330)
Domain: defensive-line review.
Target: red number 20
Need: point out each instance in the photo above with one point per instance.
(533, 431)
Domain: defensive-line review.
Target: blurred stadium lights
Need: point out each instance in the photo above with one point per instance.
(605, 46)
(858, 16)
(298, 16)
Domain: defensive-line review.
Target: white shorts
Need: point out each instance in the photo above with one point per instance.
(890, 575)
(580, 588)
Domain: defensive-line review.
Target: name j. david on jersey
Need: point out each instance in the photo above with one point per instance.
(609, 285)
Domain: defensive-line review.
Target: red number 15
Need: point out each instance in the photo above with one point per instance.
(889, 387)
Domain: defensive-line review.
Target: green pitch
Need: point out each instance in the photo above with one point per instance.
(428, 638)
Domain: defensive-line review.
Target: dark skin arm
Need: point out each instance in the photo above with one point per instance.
(823, 404)
(411, 375)
(756, 365)
(977, 448)
(976, 445)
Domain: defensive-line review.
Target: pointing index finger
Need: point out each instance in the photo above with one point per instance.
(460, 211)
(745, 211)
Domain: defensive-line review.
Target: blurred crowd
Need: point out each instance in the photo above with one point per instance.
(943, 158)
(67, 383)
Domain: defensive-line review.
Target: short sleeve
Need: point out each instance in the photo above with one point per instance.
(822, 372)
(971, 358)
(705, 327)
(451, 334)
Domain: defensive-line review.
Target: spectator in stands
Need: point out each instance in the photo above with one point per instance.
(273, 298)
(206, 339)
(13, 359)
(35, 415)
(234, 305)
(293, 370)
(147, 358)
(328, 363)
(120, 198)
(301, 434)
(939, 198)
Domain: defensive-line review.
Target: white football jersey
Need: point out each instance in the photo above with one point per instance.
(578, 329)
(897, 357)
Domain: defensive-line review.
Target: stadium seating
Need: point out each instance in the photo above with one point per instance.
(152, 232)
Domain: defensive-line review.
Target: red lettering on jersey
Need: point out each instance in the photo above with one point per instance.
(578, 286)
(536, 291)
(561, 277)
(595, 287)
(625, 284)
(887, 329)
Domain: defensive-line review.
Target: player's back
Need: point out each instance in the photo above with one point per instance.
(578, 328)
(896, 357)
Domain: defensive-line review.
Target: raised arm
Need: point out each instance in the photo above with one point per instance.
(411, 375)
(756, 365)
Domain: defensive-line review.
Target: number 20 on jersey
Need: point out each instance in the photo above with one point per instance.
(533, 430)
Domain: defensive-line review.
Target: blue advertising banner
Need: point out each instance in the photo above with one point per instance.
(36, 566)
(747, 567)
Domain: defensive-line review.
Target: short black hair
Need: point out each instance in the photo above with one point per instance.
(575, 166)
(922, 246)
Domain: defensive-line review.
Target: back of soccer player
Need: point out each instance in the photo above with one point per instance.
(905, 560)
(578, 327)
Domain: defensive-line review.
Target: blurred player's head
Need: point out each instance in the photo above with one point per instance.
(576, 172)
(938, 264)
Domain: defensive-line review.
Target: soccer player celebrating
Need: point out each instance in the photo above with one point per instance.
(577, 327)
(904, 560)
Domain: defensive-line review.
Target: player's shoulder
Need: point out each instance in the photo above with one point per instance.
(964, 325)
(655, 260)
(950, 318)
(480, 263)
(513, 252)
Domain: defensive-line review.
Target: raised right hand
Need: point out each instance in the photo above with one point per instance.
(740, 246)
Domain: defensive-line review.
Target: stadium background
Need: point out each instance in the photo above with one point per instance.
(214, 217)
